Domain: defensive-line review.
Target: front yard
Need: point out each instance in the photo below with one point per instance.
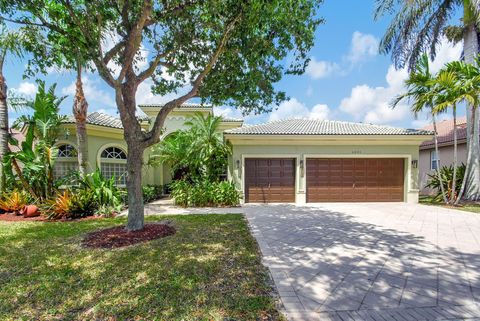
(209, 270)
(467, 207)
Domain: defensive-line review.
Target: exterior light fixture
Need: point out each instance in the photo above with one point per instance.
(414, 163)
(237, 162)
(301, 168)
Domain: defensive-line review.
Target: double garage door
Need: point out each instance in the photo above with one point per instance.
(327, 180)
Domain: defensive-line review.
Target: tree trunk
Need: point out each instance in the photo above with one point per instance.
(80, 108)
(134, 186)
(466, 177)
(3, 129)
(470, 51)
(455, 158)
(442, 188)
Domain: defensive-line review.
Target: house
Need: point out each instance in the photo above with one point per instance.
(289, 161)
(305, 160)
(107, 149)
(428, 156)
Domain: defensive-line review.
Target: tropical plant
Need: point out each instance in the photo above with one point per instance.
(458, 82)
(223, 51)
(203, 193)
(83, 204)
(33, 164)
(447, 179)
(14, 201)
(104, 190)
(417, 27)
(152, 192)
(199, 152)
(421, 92)
(58, 207)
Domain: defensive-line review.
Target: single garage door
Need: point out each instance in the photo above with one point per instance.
(355, 179)
(269, 180)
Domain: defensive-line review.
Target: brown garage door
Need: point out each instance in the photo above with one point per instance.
(354, 179)
(269, 180)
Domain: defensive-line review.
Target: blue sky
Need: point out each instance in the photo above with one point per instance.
(346, 80)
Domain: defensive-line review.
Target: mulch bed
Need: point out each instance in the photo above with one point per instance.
(119, 237)
(19, 218)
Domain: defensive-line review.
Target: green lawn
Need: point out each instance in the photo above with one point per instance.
(428, 200)
(209, 270)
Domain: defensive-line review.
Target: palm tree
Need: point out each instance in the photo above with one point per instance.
(461, 83)
(80, 108)
(417, 27)
(421, 93)
(10, 44)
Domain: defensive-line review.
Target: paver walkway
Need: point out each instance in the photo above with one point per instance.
(374, 261)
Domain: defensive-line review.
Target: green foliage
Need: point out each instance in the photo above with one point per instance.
(199, 152)
(152, 192)
(32, 166)
(58, 207)
(204, 193)
(446, 173)
(104, 190)
(83, 204)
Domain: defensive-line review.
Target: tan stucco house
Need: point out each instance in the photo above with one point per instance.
(287, 161)
(428, 156)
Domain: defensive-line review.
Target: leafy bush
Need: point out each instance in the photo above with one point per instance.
(104, 190)
(204, 193)
(152, 192)
(83, 204)
(446, 172)
(58, 207)
(14, 201)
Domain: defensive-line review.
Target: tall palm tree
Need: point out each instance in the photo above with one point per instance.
(421, 93)
(461, 83)
(80, 108)
(417, 27)
(10, 44)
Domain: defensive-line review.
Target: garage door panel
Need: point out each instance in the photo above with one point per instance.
(354, 180)
(269, 180)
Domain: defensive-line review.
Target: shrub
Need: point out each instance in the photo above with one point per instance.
(204, 193)
(446, 172)
(14, 201)
(105, 192)
(58, 207)
(152, 192)
(83, 204)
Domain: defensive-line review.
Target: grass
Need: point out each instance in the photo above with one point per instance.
(468, 207)
(209, 270)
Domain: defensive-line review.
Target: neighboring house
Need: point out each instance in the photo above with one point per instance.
(428, 156)
(107, 149)
(303, 161)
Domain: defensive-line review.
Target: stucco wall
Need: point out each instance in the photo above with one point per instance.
(301, 152)
(446, 159)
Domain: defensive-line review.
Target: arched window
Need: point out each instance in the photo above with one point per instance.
(113, 162)
(66, 161)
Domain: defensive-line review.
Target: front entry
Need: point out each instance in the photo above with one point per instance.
(269, 180)
(355, 179)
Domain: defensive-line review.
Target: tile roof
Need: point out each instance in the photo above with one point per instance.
(321, 127)
(99, 119)
(184, 105)
(445, 132)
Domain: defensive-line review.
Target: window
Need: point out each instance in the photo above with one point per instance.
(66, 161)
(113, 162)
(433, 160)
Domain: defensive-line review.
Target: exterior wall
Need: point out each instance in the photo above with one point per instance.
(446, 159)
(301, 152)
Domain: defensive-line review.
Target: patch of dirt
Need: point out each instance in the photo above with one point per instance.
(19, 218)
(7, 217)
(119, 237)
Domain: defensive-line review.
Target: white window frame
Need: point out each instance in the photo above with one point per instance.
(120, 181)
(63, 161)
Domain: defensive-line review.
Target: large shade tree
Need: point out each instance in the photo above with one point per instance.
(227, 51)
(418, 27)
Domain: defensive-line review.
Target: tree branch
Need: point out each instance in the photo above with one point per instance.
(152, 136)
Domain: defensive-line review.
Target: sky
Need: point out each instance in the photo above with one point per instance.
(347, 79)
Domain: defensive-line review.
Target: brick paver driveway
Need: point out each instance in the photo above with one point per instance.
(372, 261)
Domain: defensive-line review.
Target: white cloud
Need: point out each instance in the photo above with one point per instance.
(295, 109)
(27, 88)
(363, 46)
(321, 69)
(372, 104)
(93, 94)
